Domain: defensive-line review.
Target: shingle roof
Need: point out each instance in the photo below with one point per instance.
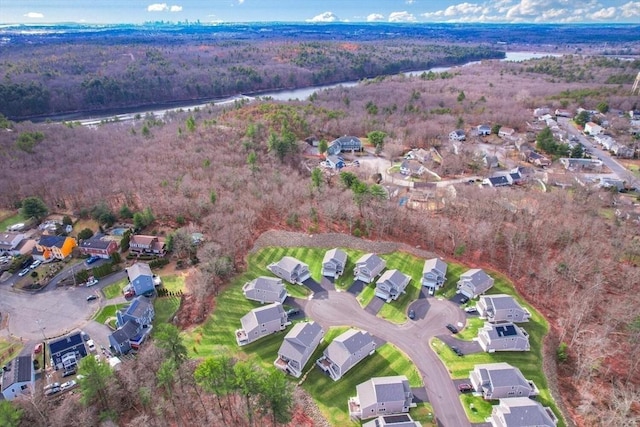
(19, 371)
(501, 301)
(264, 283)
(96, 242)
(52, 241)
(337, 254)
(434, 264)
(382, 389)
(138, 269)
(370, 260)
(299, 339)
(346, 344)
(260, 315)
(523, 412)
(501, 374)
(395, 277)
(138, 307)
(126, 332)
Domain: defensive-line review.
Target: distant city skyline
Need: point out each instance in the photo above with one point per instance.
(409, 11)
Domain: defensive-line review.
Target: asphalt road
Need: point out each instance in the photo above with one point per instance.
(342, 309)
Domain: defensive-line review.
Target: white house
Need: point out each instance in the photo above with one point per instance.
(457, 135)
(592, 128)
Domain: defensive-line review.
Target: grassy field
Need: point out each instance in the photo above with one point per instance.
(396, 311)
(476, 407)
(9, 350)
(115, 289)
(166, 307)
(11, 220)
(108, 311)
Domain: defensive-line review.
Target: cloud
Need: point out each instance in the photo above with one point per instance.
(374, 17)
(176, 8)
(157, 7)
(34, 15)
(324, 17)
(631, 9)
(410, 1)
(401, 17)
(240, 1)
(604, 13)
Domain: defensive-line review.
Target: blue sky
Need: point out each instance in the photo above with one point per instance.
(497, 11)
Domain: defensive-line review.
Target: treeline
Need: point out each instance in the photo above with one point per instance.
(93, 76)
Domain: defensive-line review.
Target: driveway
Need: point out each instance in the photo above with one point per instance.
(412, 337)
(356, 287)
(374, 306)
(467, 347)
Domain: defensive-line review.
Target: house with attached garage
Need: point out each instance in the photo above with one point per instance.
(298, 346)
(335, 162)
(265, 290)
(334, 262)
(346, 351)
(400, 420)
(368, 266)
(54, 247)
(592, 128)
(500, 380)
(457, 135)
(65, 352)
(391, 285)
(434, 273)
(141, 278)
(501, 308)
(483, 130)
(18, 378)
(140, 310)
(98, 246)
(290, 269)
(474, 282)
(381, 396)
(506, 132)
(412, 168)
(129, 336)
(344, 144)
(420, 155)
(10, 242)
(521, 412)
(497, 181)
(260, 322)
(494, 337)
(147, 245)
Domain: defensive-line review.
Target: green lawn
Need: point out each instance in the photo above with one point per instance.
(476, 407)
(11, 221)
(9, 350)
(396, 311)
(108, 311)
(115, 289)
(166, 307)
(367, 294)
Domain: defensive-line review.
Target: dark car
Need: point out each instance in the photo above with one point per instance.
(68, 373)
(92, 259)
(457, 351)
(51, 391)
(92, 297)
(465, 388)
(452, 328)
(464, 300)
(412, 314)
(293, 312)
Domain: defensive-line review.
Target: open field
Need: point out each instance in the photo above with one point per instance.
(108, 311)
(115, 289)
(10, 219)
(166, 307)
(9, 349)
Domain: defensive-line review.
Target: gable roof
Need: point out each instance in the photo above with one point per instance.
(52, 241)
(383, 389)
(138, 269)
(299, 339)
(265, 283)
(434, 264)
(395, 277)
(65, 342)
(260, 315)
(498, 181)
(369, 260)
(138, 307)
(476, 276)
(96, 242)
(140, 239)
(348, 343)
(19, 371)
(289, 263)
(501, 302)
(126, 332)
(524, 412)
(501, 374)
(399, 420)
(335, 254)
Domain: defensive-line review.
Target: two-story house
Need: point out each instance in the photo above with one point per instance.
(98, 246)
(494, 337)
(140, 310)
(334, 262)
(457, 135)
(381, 396)
(434, 274)
(521, 411)
(260, 322)
(18, 378)
(265, 290)
(129, 336)
(391, 285)
(10, 242)
(501, 308)
(368, 267)
(345, 352)
(147, 245)
(290, 269)
(474, 282)
(54, 247)
(298, 346)
(500, 380)
(344, 144)
(65, 352)
(141, 278)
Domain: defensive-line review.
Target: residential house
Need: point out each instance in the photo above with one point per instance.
(563, 113)
(391, 284)
(335, 162)
(542, 111)
(496, 181)
(260, 322)
(412, 168)
(624, 152)
(290, 269)
(368, 266)
(490, 161)
(400, 420)
(10, 242)
(344, 144)
(98, 246)
(634, 114)
(65, 352)
(501, 380)
(607, 182)
(298, 346)
(434, 273)
(484, 130)
(594, 165)
(503, 337)
(147, 245)
(606, 141)
(592, 128)
(381, 396)
(18, 378)
(140, 310)
(522, 412)
(537, 159)
(515, 177)
(141, 278)
(457, 135)
(334, 262)
(501, 308)
(54, 247)
(265, 290)
(420, 155)
(346, 351)
(474, 282)
(506, 132)
(129, 336)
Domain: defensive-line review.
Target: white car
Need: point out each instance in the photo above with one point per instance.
(35, 264)
(92, 282)
(24, 272)
(67, 385)
(471, 309)
(91, 345)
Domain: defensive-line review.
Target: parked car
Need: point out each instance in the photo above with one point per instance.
(464, 299)
(69, 372)
(35, 264)
(92, 297)
(92, 259)
(24, 272)
(457, 351)
(293, 312)
(471, 310)
(91, 345)
(465, 388)
(432, 291)
(412, 314)
(92, 282)
(67, 385)
(52, 391)
(50, 386)
(452, 328)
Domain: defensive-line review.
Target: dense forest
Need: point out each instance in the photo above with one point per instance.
(230, 171)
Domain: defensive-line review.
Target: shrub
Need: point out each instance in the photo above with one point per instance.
(158, 263)
(561, 352)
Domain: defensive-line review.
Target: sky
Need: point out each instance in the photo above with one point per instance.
(410, 11)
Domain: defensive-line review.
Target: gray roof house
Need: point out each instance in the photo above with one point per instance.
(391, 284)
(501, 308)
(344, 144)
(261, 322)
(457, 135)
(129, 336)
(503, 337)
(401, 420)
(9, 242)
(67, 350)
(18, 378)
(412, 168)
(334, 262)
(345, 352)
(484, 130)
(140, 310)
(474, 282)
(501, 380)
(434, 273)
(265, 290)
(290, 269)
(140, 277)
(381, 396)
(522, 412)
(298, 346)
(368, 266)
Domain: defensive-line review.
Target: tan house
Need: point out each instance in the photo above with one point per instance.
(147, 245)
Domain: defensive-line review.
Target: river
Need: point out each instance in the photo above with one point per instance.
(280, 95)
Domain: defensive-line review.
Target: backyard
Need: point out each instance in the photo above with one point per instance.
(9, 218)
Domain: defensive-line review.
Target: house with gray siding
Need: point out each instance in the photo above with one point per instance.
(18, 378)
(434, 273)
(501, 308)
(368, 266)
(474, 282)
(260, 322)
(140, 310)
(391, 285)
(290, 269)
(345, 352)
(522, 412)
(334, 262)
(400, 420)
(129, 336)
(141, 278)
(344, 144)
(503, 337)
(501, 380)
(298, 346)
(381, 396)
(265, 290)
